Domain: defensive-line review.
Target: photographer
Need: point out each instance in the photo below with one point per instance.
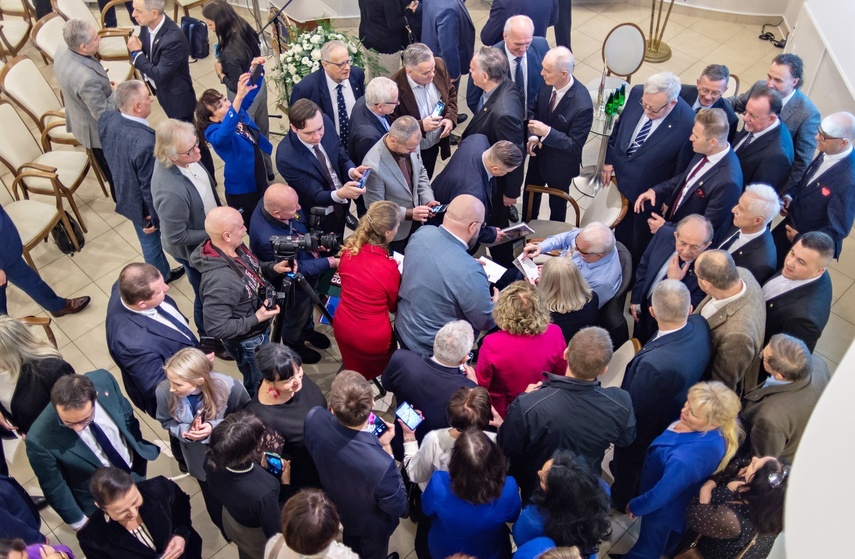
(236, 290)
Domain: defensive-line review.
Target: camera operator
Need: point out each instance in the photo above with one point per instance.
(238, 298)
(279, 213)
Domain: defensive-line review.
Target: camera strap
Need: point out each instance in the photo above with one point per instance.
(258, 277)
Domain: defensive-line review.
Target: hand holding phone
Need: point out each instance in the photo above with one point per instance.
(437, 110)
(376, 425)
(274, 463)
(256, 74)
(409, 416)
(364, 178)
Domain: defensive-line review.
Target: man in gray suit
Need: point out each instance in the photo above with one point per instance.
(735, 310)
(799, 114)
(398, 175)
(85, 87)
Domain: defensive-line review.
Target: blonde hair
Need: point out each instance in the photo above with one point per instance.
(191, 365)
(562, 285)
(382, 216)
(521, 310)
(167, 137)
(721, 406)
(18, 345)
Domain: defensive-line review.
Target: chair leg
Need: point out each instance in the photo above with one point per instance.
(99, 174)
(70, 197)
(67, 226)
(29, 260)
(175, 11)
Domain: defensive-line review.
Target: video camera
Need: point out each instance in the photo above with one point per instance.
(285, 247)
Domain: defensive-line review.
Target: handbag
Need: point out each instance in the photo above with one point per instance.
(61, 238)
(693, 553)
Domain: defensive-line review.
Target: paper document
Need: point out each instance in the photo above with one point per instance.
(494, 271)
(527, 266)
(399, 258)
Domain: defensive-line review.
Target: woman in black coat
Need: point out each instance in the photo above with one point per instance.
(572, 304)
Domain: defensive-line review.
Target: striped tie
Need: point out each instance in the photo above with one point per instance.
(519, 81)
(639, 140)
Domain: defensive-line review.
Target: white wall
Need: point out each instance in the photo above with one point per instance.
(752, 7)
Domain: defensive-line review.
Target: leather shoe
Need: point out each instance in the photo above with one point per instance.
(72, 306)
(454, 139)
(513, 214)
(461, 118)
(318, 340)
(39, 501)
(393, 555)
(175, 273)
(308, 356)
(351, 221)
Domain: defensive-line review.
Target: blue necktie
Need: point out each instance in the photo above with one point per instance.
(639, 140)
(519, 81)
(177, 323)
(104, 442)
(343, 120)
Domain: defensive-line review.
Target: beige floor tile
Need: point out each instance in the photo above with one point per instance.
(581, 14)
(845, 306)
(746, 40)
(720, 31)
(68, 537)
(690, 41)
(598, 27)
(585, 46)
(832, 366)
(737, 61)
(621, 13)
(227, 552)
(403, 538)
(836, 338)
(839, 284)
(104, 254)
(846, 264)
(92, 345)
(93, 315)
(212, 540)
(755, 72)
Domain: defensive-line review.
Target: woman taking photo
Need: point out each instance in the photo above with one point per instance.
(190, 403)
(471, 504)
(238, 141)
(526, 346)
(310, 527)
(285, 397)
(369, 292)
(678, 462)
(572, 304)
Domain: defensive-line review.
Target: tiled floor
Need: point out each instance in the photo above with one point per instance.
(111, 243)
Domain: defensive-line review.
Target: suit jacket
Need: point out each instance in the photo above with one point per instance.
(544, 14)
(768, 159)
(166, 63)
(314, 87)
(166, 513)
(560, 158)
(827, 203)
(448, 31)
(387, 182)
(658, 157)
(86, 91)
(180, 209)
(129, 150)
(758, 255)
(382, 25)
(19, 517)
(32, 391)
(802, 119)
(140, 346)
(775, 416)
(263, 226)
(801, 312)
(714, 193)
(534, 64)
(409, 106)
(689, 93)
(365, 130)
(63, 463)
(737, 334)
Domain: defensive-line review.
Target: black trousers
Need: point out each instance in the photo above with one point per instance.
(565, 23)
(110, 17)
(98, 154)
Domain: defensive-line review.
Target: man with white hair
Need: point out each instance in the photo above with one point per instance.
(749, 241)
(592, 248)
(647, 146)
(370, 118)
(824, 200)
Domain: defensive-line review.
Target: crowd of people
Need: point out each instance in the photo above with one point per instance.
(511, 427)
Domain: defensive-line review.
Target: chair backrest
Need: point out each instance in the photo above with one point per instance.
(17, 145)
(609, 207)
(623, 49)
(22, 81)
(75, 9)
(531, 189)
(732, 86)
(625, 258)
(617, 366)
(14, 8)
(47, 34)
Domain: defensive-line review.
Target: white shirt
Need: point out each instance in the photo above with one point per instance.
(135, 119)
(660, 275)
(464, 243)
(157, 317)
(427, 96)
(336, 180)
(698, 173)
(199, 177)
(559, 95)
(655, 124)
(714, 305)
(785, 100)
(743, 239)
(349, 99)
(106, 423)
(151, 34)
(780, 285)
(661, 333)
(512, 64)
(827, 162)
(772, 126)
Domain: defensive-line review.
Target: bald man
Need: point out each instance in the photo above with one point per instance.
(279, 213)
(441, 282)
(233, 284)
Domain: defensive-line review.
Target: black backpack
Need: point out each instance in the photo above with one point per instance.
(196, 33)
(60, 236)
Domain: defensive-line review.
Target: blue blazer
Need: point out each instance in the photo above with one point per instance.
(314, 87)
(534, 63)
(140, 346)
(236, 150)
(19, 517)
(659, 157)
(543, 13)
(365, 131)
(448, 31)
(768, 159)
(263, 226)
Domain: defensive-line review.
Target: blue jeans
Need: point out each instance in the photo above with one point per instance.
(194, 276)
(244, 353)
(152, 251)
(27, 280)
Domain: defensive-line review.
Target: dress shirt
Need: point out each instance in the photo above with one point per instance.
(106, 423)
(349, 99)
(136, 119)
(696, 174)
(780, 285)
(603, 276)
(486, 97)
(427, 96)
(660, 333)
(512, 61)
(743, 239)
(199, 177)
(641, 121)
(559, 95)
(157, 317)
(714, 305)
(827, 162)
(785, 100)
(336, 180)
(771, 127)
(772, 381)
(382, 120)
(663, 271)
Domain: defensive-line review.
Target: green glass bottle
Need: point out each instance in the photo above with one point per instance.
(610, 105)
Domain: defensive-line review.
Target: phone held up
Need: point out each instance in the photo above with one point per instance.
(376, 425)
(409, 416)
(274, 463)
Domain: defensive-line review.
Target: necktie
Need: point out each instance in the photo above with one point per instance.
(104, 442)
(337, 209)
(813, 167)
(552, 99)
(730, 240)
(343, 120)
(402, 164)
(175, 322)
(519, 81)
(639, 140)
(681, 194)
(747, 141)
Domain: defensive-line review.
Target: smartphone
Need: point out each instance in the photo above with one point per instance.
(408, 415)
(364, 178)
(274, 463)
(149, 223)
(376, 425)
(439, 209)
(207, 344)
(437, 111)
(256, 73)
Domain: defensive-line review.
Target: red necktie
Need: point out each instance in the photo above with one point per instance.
(680, 196)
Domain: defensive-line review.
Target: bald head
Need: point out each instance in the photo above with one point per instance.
(836, 133)
(224, 225)
(599, 237)
(281, 201)
(464, 216)
(718, 271)
(518, 34)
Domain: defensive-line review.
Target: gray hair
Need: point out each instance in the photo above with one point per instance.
(492, 62)
(129, 92)
(602, 238)
(765, 203)
(789, 357)
(505, 153)
(666, 82)
(167, 137)
(696, 218)
(415, 54)
(380, 90)
(671, 301)
(518, 19)
(840, 125)
(564, 60)
(716, 72)
(329, 46)
(453, 342)
(77, 32)
(152, 5)
(404, 128)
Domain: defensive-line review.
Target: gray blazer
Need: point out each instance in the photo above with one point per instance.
(180, 210)
(386, 182)
(87, 93)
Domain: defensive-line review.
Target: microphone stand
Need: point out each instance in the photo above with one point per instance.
(271, 20)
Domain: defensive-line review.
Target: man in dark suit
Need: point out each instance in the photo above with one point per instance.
(448, 31)
(749, 241)
(764, 146)
(558, 130)
(824, 200)
(525, 51)
(357, 469)
(370, 119)
(88, 425)
(645, 149)
(543, 14)
(422, 83)
(707, 94)
(670, 255)
(334, 88)
(312, 160)
(798, 298)
(658, 379)
(709, 186)
(799, 113)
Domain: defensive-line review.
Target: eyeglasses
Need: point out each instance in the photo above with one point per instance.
(342, 64)
(711, 92)
(85, 423)
(191, 151)
(650, 109)
(396, 102)
(821, 133)
(584, 253)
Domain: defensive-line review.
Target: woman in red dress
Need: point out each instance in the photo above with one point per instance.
(369, 292)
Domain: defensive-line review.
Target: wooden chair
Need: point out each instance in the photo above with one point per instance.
(186, 5)
(623, 50)
(113, 50)
(544, 228)
(44, 322)
(13, 32)
(608, 206)
(620, 359)
(46, 36)
(732, 89)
